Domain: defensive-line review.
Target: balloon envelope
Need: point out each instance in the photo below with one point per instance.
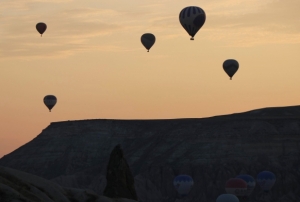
(266, 180)
(41, 27)
(192, 18)
(50, 101)
(230, 67)
(227, 198)
(148, 40)
(183, 184)
(236, 186)
(250, 182)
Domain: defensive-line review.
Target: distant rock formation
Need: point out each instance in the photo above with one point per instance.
(211, 150)
(120, 181)
(17, 186)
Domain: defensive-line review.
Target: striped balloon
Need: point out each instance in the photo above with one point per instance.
(183, 184)
(50, 101)
(250, 183)
(266, 180)
(192, 18)
(236, 186)
(227, 198)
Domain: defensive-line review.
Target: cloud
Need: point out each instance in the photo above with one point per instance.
(274, 23)
(234, 7)
(57, 50)
(244, 23)
(23, 5)
(276, 14)
(68, 31)
(71, 30)
(248, 23)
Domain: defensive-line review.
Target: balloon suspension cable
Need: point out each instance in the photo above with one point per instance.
(230, 78)
(41, 35)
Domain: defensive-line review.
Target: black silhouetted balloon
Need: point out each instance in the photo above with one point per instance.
(230, 67)
(148, 40)
(192, 18)
(41, 27)
(50, 101)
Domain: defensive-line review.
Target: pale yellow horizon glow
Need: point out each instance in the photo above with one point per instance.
(92, 59)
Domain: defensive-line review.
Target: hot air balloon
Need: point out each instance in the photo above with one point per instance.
(50, 101)
(266, 180)
(183, 184)
(192, 18)
(230, 67)
(148, 40)
(227, 198)
(41, 27)
(236, 186)
(250, 183)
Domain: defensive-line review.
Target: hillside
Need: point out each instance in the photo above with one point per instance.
(20, 186)
(211, 150)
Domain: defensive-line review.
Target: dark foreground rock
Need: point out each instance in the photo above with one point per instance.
(120, 181)
(17, 186)
(211, 150)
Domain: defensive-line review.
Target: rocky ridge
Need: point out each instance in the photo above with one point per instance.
(211, 150)
(17, 186)
(120, 181)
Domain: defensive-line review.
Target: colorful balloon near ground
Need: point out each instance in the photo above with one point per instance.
(192, 18)
(266, 180)
(183, 184)
(50, 101)
(250, 182)
(236, 187)
(227, 198)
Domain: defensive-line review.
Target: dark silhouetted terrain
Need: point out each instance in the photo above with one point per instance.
(17, 186)
(211, 150)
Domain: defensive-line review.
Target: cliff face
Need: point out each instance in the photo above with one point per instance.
(17, 186)
(211, 150)
(119, 179)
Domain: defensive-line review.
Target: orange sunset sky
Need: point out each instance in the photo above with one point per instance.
(92, 60)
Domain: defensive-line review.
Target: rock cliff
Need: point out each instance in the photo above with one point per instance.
(120, 181)
(211, 150)
(18, 186)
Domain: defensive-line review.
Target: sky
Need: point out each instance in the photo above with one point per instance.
(91, 58)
